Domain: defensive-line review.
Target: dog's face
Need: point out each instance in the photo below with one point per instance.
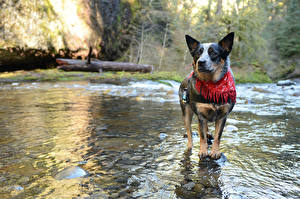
(209, 57)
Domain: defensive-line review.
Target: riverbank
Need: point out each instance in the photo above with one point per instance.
(40, 75)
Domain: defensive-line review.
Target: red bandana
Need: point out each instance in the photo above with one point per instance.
(221, 90)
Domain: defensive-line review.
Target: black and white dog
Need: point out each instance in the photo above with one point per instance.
(209, 91)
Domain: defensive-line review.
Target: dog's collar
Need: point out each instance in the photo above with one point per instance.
(219, 92)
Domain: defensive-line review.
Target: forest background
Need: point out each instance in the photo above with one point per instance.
(266, 45)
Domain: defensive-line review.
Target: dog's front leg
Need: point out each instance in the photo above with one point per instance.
(203, 138)
(215, 150)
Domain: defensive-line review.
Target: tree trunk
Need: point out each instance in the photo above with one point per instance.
(99, 66)
(219, 7)
(163, 47)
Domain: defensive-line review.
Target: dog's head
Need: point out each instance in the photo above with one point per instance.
(210, 59)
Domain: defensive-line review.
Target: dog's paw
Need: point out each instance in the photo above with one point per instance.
(215, 155)
(202, 154)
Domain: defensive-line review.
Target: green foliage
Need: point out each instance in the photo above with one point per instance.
(258, 76)
(288, 34)
(58, 75)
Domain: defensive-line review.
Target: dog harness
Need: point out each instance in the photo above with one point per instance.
(217, 92)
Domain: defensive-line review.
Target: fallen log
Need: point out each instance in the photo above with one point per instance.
(99, 66)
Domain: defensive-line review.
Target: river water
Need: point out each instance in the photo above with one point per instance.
(92, 140)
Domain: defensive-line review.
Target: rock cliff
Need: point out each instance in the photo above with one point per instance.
(34, 32)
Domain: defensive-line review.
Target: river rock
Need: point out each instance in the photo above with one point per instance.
(133, 181)
(163, 136)
(287, 82)
(231, 128)
(261, 90)
(70, 172)
(189, 186)
(297, 94)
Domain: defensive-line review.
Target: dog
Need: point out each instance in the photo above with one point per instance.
(208, 92)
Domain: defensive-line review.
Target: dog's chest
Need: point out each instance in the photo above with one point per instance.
(211, 112)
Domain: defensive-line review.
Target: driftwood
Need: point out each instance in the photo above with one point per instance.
(99, 66)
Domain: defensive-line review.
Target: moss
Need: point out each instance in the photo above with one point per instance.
(282, 71)
(57, 75)
(258, 76)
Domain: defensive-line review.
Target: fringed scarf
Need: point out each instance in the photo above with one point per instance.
(218, 92)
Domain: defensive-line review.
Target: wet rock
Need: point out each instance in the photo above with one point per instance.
(170, 92)
(231, 128)
(114, 195)
(18, 188)
(13, 188)
(70, 172)
(133, 181)
(287, 82)
(125, 157)
(189, 186)
(199, 188)
(221, 161)
(98, 195)
(82, 162)
(23, 180)
(297, 94)
(249, 101)
(209, 190)
(136, 158)
(194, 134)
(261, 90)
(163, 136)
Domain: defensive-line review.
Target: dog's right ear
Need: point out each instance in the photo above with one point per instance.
(192, 43)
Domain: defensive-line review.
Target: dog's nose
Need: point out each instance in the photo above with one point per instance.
(201, 63)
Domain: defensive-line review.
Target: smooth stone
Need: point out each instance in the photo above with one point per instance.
(135, 158)
(70, 172)
(133, 181)
(287, 82)
(163, 136)
(231, 128)
(261, 90)
(222, 160)
(194, 134)
(18, 188)
(189, 186)
(125, 157)
(297, 94)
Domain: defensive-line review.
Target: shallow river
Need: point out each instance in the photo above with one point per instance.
(88, 140)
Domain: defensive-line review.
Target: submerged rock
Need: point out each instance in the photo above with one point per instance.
(133, 181)
(260, 90)
(70, 172)
(163, 136)
(285, 83)
(189, 186)
(231, 128)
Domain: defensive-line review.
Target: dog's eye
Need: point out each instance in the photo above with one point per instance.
(211, 51)
(201, 51)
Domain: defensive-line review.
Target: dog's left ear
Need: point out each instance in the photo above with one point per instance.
(192, 43)
(227, 42)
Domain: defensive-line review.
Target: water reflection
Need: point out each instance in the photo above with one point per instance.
(199, 181)
(129, 139)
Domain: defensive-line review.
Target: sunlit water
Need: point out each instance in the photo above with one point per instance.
(84, 140)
